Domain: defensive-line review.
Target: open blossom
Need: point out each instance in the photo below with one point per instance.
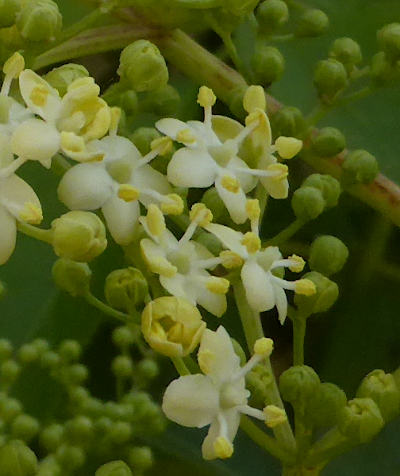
(183, 264)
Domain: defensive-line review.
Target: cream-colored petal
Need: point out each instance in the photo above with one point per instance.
(230, 238)
(278, 189)
(247, 181)
(212, 302)
(8, 235)
(122, 218)
(259, 291)
(147, 178)
(232, 421)
(226, 128)
(18, 197)
(179, 286)
(193, 168)
(234, 202)
(172, 127)
(281, 303)
(115, 148)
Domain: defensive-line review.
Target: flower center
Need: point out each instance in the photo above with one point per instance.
(180, 259)
(120, 170)
(231, 396)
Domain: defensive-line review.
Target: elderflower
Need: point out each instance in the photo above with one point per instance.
(219, 397)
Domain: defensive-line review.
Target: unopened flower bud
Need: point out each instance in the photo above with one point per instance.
(347, 51)
(163, 101)
(60, 78)
(6, 349)
(297, 384)
(361, 420)
(172, 326)
(389, 40)
(308, 203)
(16, 459)
(382, 70)
(328, 255)
(140, 458)
(313, 22)
(39, 20)
(126, 289)
(382, 388)
(3, 290)
(288, 121)
(70, 350)
(268, 64)
(70, 457)
(122, 366)
(330, 77)
(9, 371)
(123, 337)
(79, 236)
(326, 405)
(328, 185)
(326, 294)
(359, 167)
(143, 67)
(8, 12)
(24, 428)
(51, 437)
(272, 14)
(72, 277)
(115, 468)
(147, 369)
(329, 142)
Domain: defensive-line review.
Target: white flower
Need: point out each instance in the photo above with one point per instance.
(217, 398)
(182, 264)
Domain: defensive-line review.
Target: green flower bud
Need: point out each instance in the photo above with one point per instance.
(70, 350)
(76, 374)
(382, 388)
(120, 433)
(163, 101)
(268, 64)
(140, 458)
(50, 360)
(382, 71)
(308, 203)
(79, 395)
(3, 290)
(39, 20)
(103, 425)
(126, 288)
(52, 437)
(122, 366)
(16, 459)
(70, 458)
(79, 236)
(312, 22)
(123, 337)
(389, 40)
(272, 14)
(359, 167)
(297, 384)
(60, 78)
(80, 430)
(329, 142)
(115, 468)
(72, 277)
(143, 137)
(10, 370)
(325, 297)
(326, 405)
(328, 255)
(143, 67)
(24, 428)
(288, 121)
(8, 12)
(148, 369)
(328, 185)
(41, 345)
(28, 353)
(347, 51)
(10, 408)
(330, 77)
(127, 100)
(259, 381)
(361, 420)
(6, 349)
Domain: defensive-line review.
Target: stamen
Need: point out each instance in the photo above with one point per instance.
(155, 220)
(209, 263)
(230, 183)
(217, 285)
(252, 242)
(128, 193)
(12, 69)
(250, 364)
(253, 412)
(289, 285)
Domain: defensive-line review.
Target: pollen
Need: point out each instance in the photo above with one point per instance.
(230, 183)
(252, 242)
(254, 99)
(298, 264)
(280, 172)
(305, 287)
(264, 347)
(218, 285)
(288, 147)
(206, 97)
(31, 213)
(128, 193)
(39, 96)
(223, 448)
(173, 204)
(162, 145)
(14, 65)
(230, 259)
(253, 209)
(186, 136)
(200, 214)
(155, 220)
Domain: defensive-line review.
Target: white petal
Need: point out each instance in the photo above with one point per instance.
(191, 401)
(281, 303)
(15, 194)
(171, 127)
(259, 290)
(122, 218)
(8, 235)
(85, 187)
(232, 419)
(114, 148)
(278, 189)
(179, 286)
(205, 135)
(229, 238)
(212, 302)
(234, 202)
(146, 178)
(6, 156)
(192, 168)
(226, 128)
(247, 181)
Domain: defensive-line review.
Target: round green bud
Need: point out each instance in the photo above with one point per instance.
(328, 255)
(39, 20)
(115, 468)
(360, 420)
(258, 381)
(120, 433)
(163, 101)
(10, 370)
(347, 51)
(41, 345)
(122, 366)
(10, 408)
(330, 77)
(3, 290)
(312, 22)
(6, 349)
(308, 203)
(143, 67)
(297, 384)
(288, 121)
(24, 428)
(359, 167)
(140, 458)
(389, 40)
(126, 99)
(16, 459)
(50, 360)
(272, 14)
(72, 277)
(382, 71)
(70, 350)
(148, 369)
(326, 405)
(329, 142)
(123, 336)
(60, 78)
(70, 458)
(143, 137)
(76, 374)
(327, 292)
(268, 64)
(382, 388)
(328, 185)
(28, 353)
(79, 430)
(52, 437)
(126, 288)
(103, 425)
(8, 12)
(79, 395)
(79, 236)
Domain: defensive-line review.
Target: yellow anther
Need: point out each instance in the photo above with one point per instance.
(95, 158)
(128, 193)
(206, 97)
(253, 209)
(162, 267)
(162, 145)
(298, 264)
(186, 136)
(200, 214)
(281, 171)
(155, 220)
(256, 116)
(31, 213)
(218, 285)
(173, 205)
(288, 147)
(305, 287)
(230, 259)
(100, 124)
(230, 183)
(71, 142)
(39, 96)
(274, 416)
(252, 242)
(254, 99)
(223, 448)
(14, 65)
(263, 347)
(115, 118)
(206, 359)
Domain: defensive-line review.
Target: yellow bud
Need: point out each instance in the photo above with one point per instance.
(14, 65)
(186, 136)
(200, 214)
(298, 265)
(39, 96)
(254, 99)
(230, 259)
(264, 347)
(206, 97)
(155, 220)
(274, 416)
(288, 147)
(230, 183)
(223, 447)
(31, 213)
(253, 209)
(128, 193)
(218, 285)
(281, 171)
(173, 205)
(252, 242)
(162, 144)
(305, 287)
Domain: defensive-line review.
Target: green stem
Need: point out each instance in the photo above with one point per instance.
(299, 333)
(88, 21)
(180, 366)
(34, 232)
(286, 233)
(326, 448)
(109, 311)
